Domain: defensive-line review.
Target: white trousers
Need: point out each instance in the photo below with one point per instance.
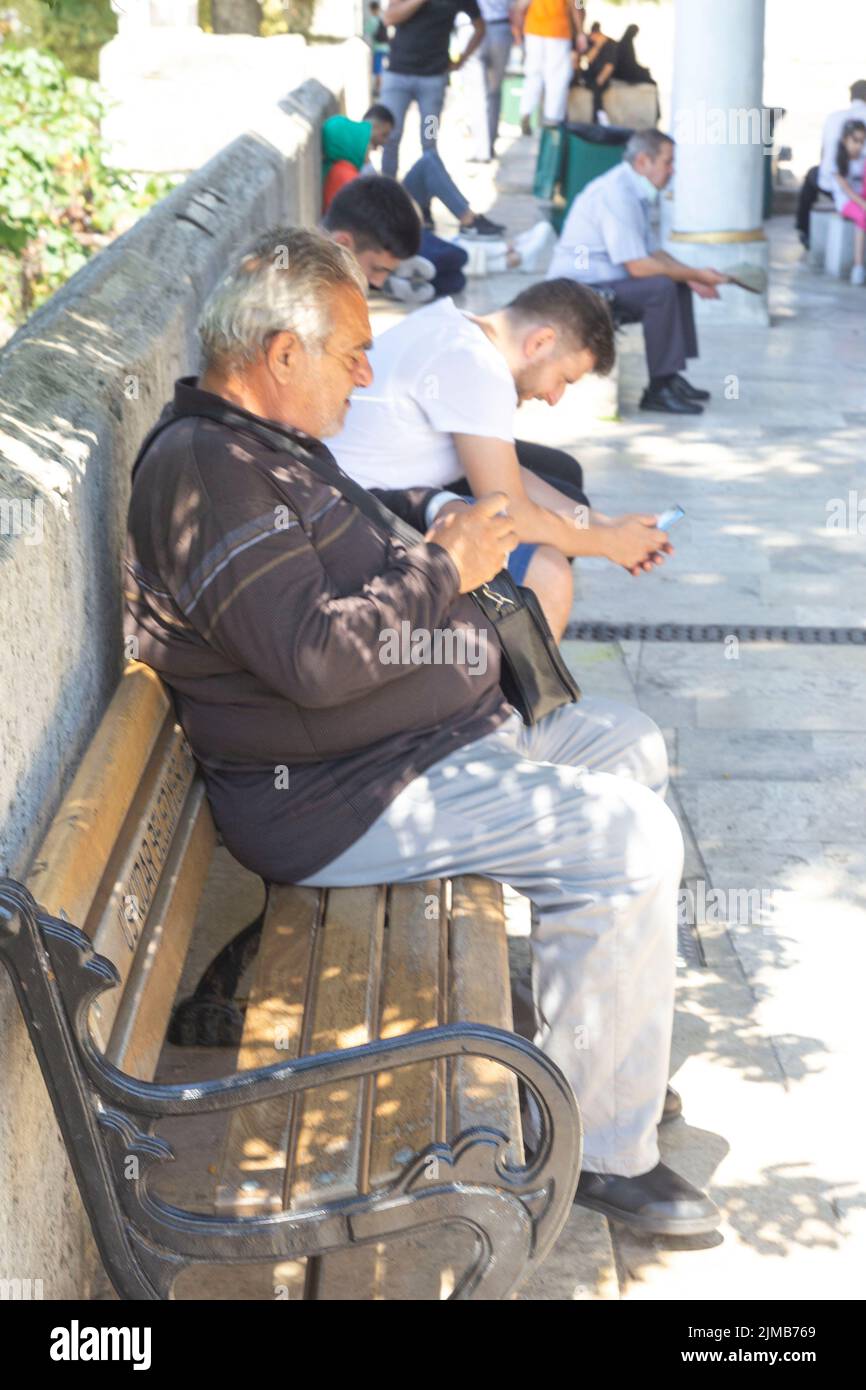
(548, 70)
(571, 813)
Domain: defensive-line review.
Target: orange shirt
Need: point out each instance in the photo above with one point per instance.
(549, 18)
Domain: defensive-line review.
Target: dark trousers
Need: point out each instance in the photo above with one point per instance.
(554, 466)
(809, 195)
(449, 261)
(665, 309)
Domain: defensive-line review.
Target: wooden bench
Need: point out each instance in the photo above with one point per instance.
(366, 1140)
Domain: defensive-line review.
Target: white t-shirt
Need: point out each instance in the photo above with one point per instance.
(435, 374)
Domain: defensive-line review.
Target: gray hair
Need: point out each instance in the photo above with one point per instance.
(281, 283)
(649, 142)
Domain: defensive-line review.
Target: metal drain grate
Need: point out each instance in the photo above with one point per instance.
(712, 632)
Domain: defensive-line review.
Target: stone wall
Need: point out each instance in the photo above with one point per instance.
(80, 384)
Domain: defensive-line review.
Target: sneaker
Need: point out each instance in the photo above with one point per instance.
(858, 275)
(416, 268)
(534, 247)
(407, 292)
(483, 227)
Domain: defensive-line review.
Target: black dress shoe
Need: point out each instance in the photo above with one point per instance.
(689, 392)
(668, 401)
(658, 1203)
(673, 1106)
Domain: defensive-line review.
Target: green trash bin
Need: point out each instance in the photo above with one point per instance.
(590, 150)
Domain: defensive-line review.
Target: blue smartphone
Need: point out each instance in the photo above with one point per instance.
(670, 518)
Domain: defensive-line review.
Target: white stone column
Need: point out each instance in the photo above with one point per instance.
(723, 141)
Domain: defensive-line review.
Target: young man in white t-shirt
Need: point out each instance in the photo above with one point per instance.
(441, 409)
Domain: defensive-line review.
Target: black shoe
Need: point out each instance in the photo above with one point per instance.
(483, 228)
(658, 1203)
(673, 1106)
(687, 391)
(667, 400)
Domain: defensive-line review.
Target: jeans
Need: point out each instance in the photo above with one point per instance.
(398, 92)
(571, 813)
(484, 75)
(449, 261)
(428, 178)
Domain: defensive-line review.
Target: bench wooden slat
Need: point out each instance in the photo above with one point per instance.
(408, 1105)
(71, 861)
(482, 1093)
(330, 1153)
(421, 980)
(257, 1144)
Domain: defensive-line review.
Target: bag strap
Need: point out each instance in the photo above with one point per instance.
(328, 470)
(490, 600)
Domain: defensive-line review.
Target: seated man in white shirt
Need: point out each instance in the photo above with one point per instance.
(441, 409)
(608, 242)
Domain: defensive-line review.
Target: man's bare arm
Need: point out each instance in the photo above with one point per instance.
(491, 465)
(660, 263)
(399, 11)
(612, 538)
(475, 42)
(517, 16)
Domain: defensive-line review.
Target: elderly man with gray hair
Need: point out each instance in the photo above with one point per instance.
(608, 242)
(262, 593)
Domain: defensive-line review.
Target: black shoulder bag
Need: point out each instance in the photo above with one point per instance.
(534, 677)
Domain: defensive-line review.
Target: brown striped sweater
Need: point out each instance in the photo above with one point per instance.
(261, 595)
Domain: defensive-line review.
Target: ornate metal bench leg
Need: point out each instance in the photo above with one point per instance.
(212, 1016)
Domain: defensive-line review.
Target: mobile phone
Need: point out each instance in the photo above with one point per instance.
(669, 518)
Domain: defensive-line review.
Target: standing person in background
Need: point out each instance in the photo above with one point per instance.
(548, 30)
(377, 37)
(420, 65)
(486, 73)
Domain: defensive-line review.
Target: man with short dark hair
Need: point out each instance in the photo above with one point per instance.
(447, 386)
(608, 242)
(376, 220)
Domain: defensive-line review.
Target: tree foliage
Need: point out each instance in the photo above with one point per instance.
(71, 30)
(59, 200)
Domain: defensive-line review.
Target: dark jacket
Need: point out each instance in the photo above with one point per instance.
(261, 597)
